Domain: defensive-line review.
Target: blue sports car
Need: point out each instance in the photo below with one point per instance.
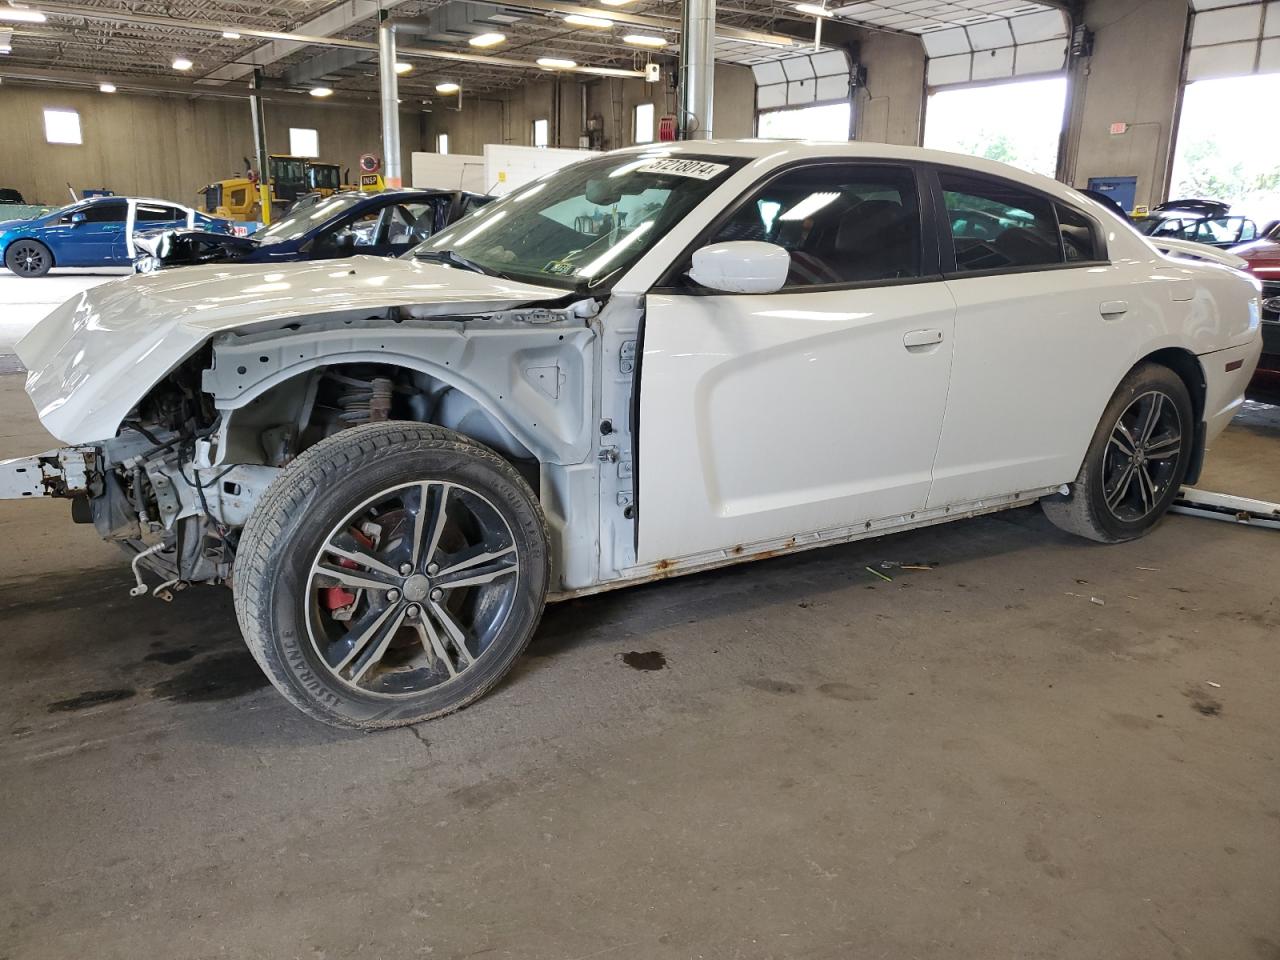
(97, 232)
(384, 224)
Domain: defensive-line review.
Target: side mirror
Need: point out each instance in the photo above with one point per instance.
(741, 266)
(77, 218)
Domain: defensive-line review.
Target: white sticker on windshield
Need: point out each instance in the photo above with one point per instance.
(698, 169)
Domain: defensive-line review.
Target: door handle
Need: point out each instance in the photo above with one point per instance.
(921, 338)
(1113, 308)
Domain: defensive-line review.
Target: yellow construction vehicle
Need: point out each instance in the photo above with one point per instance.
(238, 198)
(323, 178)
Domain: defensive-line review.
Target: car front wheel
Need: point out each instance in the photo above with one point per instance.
(1136, 462)
(28, 258)
(391, 574)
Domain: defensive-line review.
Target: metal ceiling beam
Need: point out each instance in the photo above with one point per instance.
(322, 65)
(302, 40)
(622, 16)
(16, 73)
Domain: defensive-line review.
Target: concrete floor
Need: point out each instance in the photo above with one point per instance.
(976, 761)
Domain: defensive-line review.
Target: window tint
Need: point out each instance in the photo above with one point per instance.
(153, 213)
(840, 223)
(113, 211)
(996, 224)
(1079, 236)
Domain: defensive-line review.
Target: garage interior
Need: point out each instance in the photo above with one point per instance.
(981, 739)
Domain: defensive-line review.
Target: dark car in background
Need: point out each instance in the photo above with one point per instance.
(384, 224)
(1263, 256)
(1200, 221)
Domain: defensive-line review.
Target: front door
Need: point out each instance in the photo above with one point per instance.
(96, 240)
(768, 416)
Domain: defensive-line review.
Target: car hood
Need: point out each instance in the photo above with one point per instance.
(92, 359)
(12, 224)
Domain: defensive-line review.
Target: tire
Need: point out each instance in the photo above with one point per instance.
(28, 258)
(1153, 467)
(322, 593)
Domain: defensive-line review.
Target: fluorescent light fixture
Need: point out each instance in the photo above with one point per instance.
(578, 20)
(615, 3)
(107, 87)
(814, 10)
(5, 48)
(447, 88)
(809, 206)
(402, 67)
(230, 35)
(555, 63)
(182, 63)
(21, 15)
(487, 39)
(320, 92)
(644, 40)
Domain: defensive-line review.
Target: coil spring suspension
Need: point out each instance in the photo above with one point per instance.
(364, 401)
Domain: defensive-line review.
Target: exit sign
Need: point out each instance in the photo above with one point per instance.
(1118, 128)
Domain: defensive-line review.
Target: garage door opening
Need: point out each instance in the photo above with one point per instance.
(1225, 150)
(828, 122)
(1015, 123)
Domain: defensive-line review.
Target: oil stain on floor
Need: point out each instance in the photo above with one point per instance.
(91, 698)
(649, 660)
(219, 676)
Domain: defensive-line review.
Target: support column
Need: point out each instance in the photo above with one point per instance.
(389, 95)
(260, 147)
(697, 68)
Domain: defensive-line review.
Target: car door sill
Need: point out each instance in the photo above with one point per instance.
(711, 559)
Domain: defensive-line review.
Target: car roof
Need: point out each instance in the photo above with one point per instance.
(788, 150)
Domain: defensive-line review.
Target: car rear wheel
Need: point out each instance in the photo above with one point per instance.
(1136, 462)
(28, 258)
(391, 574)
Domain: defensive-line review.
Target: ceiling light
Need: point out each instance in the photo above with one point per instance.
(578, 20)
(230, 35)
(22, 15)
(107, 87)
(814, 10)
(555, 63)
(5, 48)
(182, 63)
(487, 39)
(320, 92)
(644, 40)
(403, 67)
(447, 88)
(615, 3)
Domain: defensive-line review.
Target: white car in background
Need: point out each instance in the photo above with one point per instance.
(652, 362)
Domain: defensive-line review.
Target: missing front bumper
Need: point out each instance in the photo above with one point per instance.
(67, 472)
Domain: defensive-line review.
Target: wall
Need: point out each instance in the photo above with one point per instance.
(166, 147)
(1135, 76)
(509, 119)
(890, 107)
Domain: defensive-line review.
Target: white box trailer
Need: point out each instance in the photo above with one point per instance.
(445, 171)
(508, 167)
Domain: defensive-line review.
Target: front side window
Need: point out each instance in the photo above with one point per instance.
(297, 225)
(996, 224)
(584, 223)
(841, 223)
(111, 211)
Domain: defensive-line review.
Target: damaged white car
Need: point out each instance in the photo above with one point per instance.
(653, 362)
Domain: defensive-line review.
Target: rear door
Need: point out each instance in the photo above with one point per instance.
(1044, 330)
(814, 408)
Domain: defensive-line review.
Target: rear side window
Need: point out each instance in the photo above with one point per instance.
(995, 224)
(841, 223)
(1080, 239)
(153, 213)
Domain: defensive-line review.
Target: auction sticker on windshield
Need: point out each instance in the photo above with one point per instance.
(698, 169)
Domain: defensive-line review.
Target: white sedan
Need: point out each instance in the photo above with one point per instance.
(651, 362)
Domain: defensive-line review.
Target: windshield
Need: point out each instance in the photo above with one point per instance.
(295, 226)
(577, 227)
